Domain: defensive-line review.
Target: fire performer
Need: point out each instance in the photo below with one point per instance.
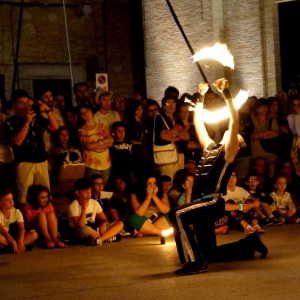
(193, 222)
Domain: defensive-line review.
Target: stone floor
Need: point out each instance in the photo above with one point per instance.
(141, 268)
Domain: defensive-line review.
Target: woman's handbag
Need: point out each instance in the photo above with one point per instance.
(164, 155)
(271, 145)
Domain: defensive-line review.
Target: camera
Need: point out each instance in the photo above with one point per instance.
(153, 217)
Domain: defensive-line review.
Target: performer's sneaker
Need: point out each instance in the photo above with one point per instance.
(192, 268)
(258, 245)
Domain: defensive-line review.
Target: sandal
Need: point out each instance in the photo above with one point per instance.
(258, 229)
(249, 229)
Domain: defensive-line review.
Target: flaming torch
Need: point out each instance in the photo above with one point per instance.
(220, 53)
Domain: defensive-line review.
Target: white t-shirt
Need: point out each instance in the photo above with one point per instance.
(15, 216)
(283, 203)
(239, 195)
(108, 119)
(74, 210)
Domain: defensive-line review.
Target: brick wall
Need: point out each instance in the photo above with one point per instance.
(43, 41)
(247, 27)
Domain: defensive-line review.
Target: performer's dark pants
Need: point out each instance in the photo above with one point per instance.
(199, 243)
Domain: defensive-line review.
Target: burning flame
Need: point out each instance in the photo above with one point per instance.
(218, 52)
(222, 113)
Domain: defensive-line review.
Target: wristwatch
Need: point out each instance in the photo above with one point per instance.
(47, 111)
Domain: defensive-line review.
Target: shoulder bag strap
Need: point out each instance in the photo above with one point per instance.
(154, 126)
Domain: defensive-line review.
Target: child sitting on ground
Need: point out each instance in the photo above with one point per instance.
(87, 220)
(264, 211)
(241, 207)
(114, 207)
(166, 183)
(283, 205)
(40, 215)
(12, 229)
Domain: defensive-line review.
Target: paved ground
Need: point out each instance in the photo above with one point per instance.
(143, 269)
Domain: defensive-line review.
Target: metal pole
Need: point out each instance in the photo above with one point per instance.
(68, 44)
(18, 46)
(185, 38)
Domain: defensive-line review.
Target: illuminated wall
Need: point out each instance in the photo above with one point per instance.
(248, 27)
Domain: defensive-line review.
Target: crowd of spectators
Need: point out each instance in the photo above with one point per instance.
(123, 191)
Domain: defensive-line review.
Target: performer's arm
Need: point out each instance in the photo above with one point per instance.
(230, 139)
(201, 131)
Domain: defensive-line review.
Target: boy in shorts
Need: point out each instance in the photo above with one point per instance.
(12, 229)
(87, 219)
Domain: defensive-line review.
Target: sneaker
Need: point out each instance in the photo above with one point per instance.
(192, 268)
(124, 233)
(266, 222)
(116, 238)
(258, 245)
(137, 233)
(94, 241)
(278, 221)
(258, 229)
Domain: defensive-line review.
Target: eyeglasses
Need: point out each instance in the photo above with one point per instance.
(99, 184)
(252, 180)
(170, 103)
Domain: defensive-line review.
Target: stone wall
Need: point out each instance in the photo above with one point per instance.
(248, 27)
(43, 52)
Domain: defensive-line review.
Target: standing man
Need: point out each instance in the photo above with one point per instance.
(105, 115)
(81, 94)
(198, 246)
(25, 131)
(47, 98)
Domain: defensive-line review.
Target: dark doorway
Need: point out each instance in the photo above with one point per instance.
(289, 27)
(137, 47)
(56, 86)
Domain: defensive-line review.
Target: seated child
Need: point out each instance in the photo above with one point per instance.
(40, 215)
(87, 220)
(12, 229)
(122, 153)
(264, 211)
(283, 205)
(97, 183)
(241, 207)
(64, 151)
(166, 182)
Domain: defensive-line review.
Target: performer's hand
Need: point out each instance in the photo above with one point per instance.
(203, 88)
(221, 84)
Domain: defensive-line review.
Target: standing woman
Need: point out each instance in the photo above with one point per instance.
(294, 124)
(191, 148)
(165, 135)
(119, 105)
(95, 140)
(147, 199)
(285, 134)
(138, 135)
(261, 131)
